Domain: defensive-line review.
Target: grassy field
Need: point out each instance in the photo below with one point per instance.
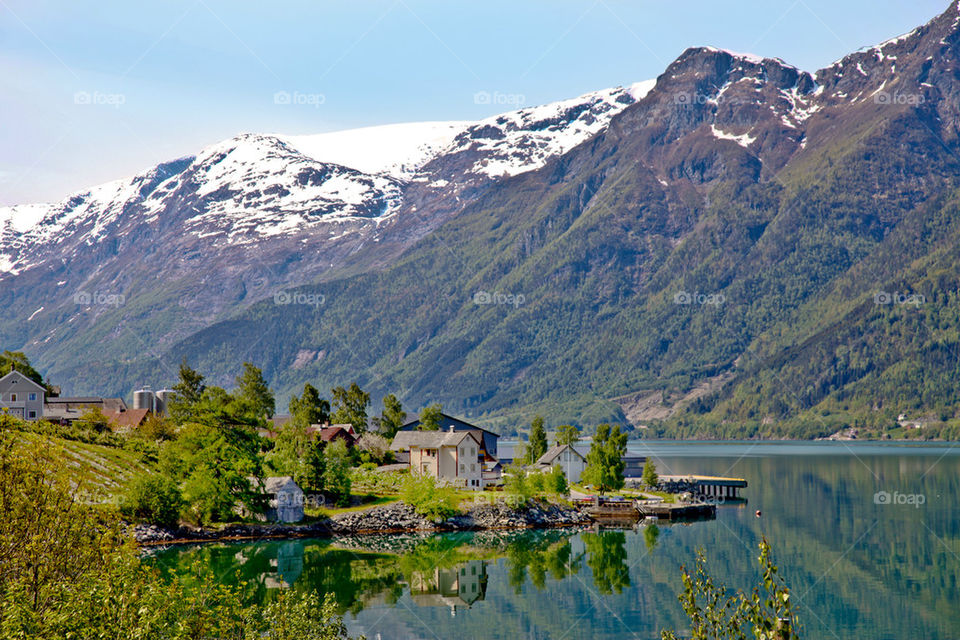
(103, 470)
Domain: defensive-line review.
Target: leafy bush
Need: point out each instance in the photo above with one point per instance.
(367, 480)
(556, 482)
(429, 499)
(154, 499)
(517, 485)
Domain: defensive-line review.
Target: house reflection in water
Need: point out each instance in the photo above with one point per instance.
(286, 567)
(458, 586)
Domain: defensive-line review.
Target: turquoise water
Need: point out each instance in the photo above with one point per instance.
(858, 568)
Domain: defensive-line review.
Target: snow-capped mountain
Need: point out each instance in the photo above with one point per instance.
(201, 236)
(604, 187)
(252, 187)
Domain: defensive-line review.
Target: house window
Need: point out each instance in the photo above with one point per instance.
(31, 397)
(31, 414)
(473, 468)
(13, 397)
(461, 468)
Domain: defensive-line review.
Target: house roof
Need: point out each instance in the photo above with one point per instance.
(430, 439)
(338, 430)
(276, 484)
(554, 452)
(106, 404)
(132, 418)
(413, 419)
(22, 377)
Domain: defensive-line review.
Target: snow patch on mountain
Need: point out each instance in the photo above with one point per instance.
(744, 140)
(399, 150)
(524, 140)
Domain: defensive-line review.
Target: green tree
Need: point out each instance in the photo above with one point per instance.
(336, 475)
(605, 464)
(538, 441)
(253, 393)
(212, 467)
(649, 477)
(309, 408)
(567, 434)
(350, 406)
(187, 393)
(154, 499)
(766, 613)
(393, 416)
(430, 417)
(298, 455)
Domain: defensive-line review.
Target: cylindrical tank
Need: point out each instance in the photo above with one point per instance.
(162, 401)
(143, 399)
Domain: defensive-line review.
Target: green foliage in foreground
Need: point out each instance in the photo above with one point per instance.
(428, 498)
(66, 571)
(765, 614)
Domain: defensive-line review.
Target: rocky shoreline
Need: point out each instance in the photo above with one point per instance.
(394, 518)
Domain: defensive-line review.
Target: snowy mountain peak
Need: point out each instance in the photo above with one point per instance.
(253, 186)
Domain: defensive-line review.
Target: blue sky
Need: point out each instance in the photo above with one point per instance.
(93, 91)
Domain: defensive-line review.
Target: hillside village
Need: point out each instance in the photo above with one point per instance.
(222, 456)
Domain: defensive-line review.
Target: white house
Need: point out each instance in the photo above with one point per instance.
(568, 459)
(21, 397)
(286, 499)
(453, 456)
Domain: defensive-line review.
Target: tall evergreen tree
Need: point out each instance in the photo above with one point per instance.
(309, 408)
(187, 394)
(253, 392)
(538, 441)
(649, 477)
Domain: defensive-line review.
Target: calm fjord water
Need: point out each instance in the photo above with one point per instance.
(866, 535)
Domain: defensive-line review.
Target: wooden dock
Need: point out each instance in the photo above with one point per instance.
(670, 511)
(607, 509)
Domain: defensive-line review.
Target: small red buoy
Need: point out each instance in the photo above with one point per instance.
(758, 513)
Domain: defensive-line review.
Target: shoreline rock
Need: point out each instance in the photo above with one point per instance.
(394, 518)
